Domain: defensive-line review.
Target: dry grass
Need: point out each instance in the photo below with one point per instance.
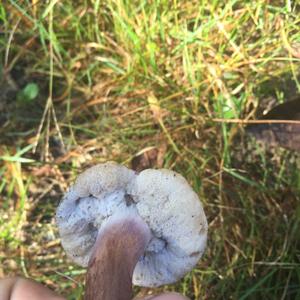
(118, 77)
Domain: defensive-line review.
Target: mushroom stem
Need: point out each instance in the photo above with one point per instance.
(116, 253)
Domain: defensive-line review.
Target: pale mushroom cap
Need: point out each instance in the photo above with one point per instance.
(162, 198)
(170, 207)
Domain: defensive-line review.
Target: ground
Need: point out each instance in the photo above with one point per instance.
(152, 83)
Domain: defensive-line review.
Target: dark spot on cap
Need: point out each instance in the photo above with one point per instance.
(91, 227)
(129, 200)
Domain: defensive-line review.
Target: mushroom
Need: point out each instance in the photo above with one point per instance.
(159, 206)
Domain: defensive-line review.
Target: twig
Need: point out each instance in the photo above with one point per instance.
(241, 121)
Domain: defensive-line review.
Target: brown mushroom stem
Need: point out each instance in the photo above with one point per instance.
(116, 253)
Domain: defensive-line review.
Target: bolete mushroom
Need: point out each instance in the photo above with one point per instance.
(160, 215)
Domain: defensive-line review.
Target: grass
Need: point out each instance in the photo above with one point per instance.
(117, 77)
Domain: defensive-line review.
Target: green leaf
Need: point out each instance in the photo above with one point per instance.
(28, 93)
(16, 159)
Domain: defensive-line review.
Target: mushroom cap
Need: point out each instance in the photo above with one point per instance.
(161, 198)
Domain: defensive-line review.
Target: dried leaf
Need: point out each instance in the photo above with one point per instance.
(286, 135)
(155, 107)
(161, 155)
(149, 158)
(145, 160)
(45, 170)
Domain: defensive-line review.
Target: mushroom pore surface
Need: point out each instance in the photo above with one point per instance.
(161, 198)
